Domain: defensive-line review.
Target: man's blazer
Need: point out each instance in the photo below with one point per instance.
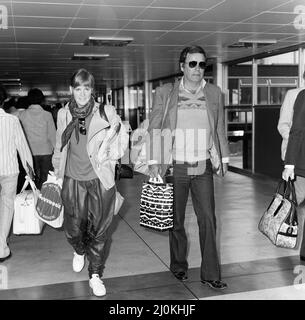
(164, 116)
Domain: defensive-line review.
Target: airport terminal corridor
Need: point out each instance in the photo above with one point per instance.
(137, 267)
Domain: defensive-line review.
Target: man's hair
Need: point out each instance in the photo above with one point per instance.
(35, 96)
(82, 77)
(22, 103)
(190, 50)
(3, 95)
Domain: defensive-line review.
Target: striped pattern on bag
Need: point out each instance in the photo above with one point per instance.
(156, 206)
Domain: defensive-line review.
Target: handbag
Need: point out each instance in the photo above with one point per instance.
(25, 220)
(156, 205)
(279, 222)
(123, 171)
(49, 207)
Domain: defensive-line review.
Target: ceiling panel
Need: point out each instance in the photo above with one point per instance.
(180, 38)
(237, 11)
(222, 39)
(152, 25)
(288, 28)
(168, 14)
(7, 33)
(51, 1)
(273, 17)
(203, 26)
(42, 22)
(264, 36)
(252, 27)
(44, 10)
(186, 3)
(141, 37)
(288, 6)
(139, 3)
(39, 35)
(108, 13)
(87, 23)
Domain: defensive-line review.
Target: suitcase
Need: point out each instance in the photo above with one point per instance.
(25, 220)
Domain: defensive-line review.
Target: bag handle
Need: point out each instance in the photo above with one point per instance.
(278, 188)
(156, 180)
(291, 191)
(28, 181)
(293, 218)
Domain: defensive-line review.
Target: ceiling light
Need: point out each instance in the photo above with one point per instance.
(252, 43)
(90, 56)
(10, 79)
(267, 41)
(108, 41)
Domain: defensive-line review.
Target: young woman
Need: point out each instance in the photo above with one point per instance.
(88, 191)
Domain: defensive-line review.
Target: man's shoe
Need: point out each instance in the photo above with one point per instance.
(182, 276)
(97, 285)
(5, 258)
(302, 258)
(78, 262)
(215, 284)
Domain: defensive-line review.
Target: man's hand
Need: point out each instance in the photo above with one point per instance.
(288, 173)
(153, 170)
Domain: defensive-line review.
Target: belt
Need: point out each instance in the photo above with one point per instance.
(189, 164)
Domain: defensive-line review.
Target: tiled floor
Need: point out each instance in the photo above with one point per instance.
(138, 263)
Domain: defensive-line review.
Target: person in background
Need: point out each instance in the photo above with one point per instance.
(40, 131)
(12, 139)
(88, 190)
(9, 106)
(54, 112)
(192, 112)
(21, 105)
(292, 129)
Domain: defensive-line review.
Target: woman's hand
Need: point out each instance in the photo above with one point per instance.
(288, 173)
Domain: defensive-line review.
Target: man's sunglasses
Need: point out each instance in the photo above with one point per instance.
(82, 126)
(193, 64)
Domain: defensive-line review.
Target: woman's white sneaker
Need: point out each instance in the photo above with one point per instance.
(78, 262)
(97, 285)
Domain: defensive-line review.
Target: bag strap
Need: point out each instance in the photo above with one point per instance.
(280, 184)
(293, 217)
(289, 192)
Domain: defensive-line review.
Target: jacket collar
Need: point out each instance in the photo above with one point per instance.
(202, 85)
(97, 122)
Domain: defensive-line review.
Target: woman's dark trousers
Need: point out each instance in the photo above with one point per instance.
(88, 209)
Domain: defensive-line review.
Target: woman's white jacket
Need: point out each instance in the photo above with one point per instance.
(97, 137)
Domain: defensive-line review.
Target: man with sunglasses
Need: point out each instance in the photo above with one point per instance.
(186, 130)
